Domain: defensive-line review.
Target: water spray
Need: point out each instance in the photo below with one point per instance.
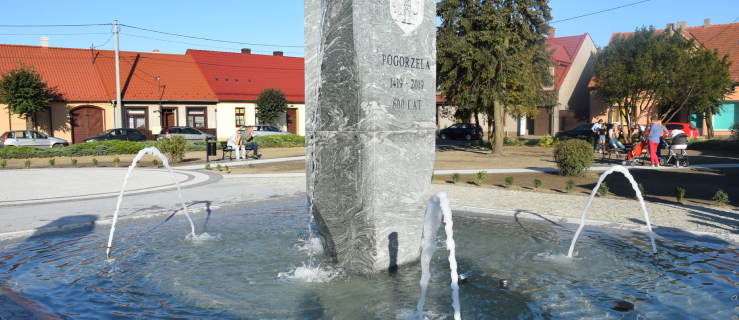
(155, 152)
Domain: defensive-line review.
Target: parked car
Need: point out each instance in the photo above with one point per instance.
(582, 131)
(189, 133)
(690, 130)
(30, 138)
(118, 134)
(265, 130)
(467, 131)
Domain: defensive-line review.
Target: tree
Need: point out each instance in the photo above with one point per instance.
(646, 74)
(492, 58)
(24, 92)
(270, 105)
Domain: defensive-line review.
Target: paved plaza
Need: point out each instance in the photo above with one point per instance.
(52, 200)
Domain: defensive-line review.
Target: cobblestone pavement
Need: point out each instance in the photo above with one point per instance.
(666, 216)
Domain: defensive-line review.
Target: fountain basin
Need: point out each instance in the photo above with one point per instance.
(252, 267)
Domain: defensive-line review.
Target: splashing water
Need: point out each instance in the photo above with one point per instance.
(155, 152)
(638, 195)
(311, 274)
(437, 205)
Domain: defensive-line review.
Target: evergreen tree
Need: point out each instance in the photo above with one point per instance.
(24, 92)
(492, 58)
(270, 105)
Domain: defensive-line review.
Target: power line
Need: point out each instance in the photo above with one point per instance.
(215, 40)
(50, 34)
(590, 14)
(106, 41)
(52, 25)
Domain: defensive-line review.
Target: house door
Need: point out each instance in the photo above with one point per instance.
(168, 118)
(541, 124)
(86, 122)
(292, 120)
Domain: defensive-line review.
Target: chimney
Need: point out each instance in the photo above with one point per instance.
(707, 23)
(670, 26)
(551, 33)
(156, 51)
(45, 42)
(277, 53)
(682, 24)
(246, 50)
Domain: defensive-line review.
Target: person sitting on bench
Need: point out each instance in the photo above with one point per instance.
(250, 144)
(613, 134)
(236, 143)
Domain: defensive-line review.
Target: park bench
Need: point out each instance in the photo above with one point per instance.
(225, 148)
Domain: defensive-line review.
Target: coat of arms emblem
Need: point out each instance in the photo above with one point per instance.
(408, 14)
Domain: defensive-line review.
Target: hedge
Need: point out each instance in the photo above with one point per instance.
(115, 147)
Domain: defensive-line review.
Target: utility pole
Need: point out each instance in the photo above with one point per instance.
(119, 118)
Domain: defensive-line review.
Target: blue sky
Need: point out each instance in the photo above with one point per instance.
(281, 22)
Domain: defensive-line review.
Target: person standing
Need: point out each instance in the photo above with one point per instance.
(236, 143)
(596, 127)
(613, 134)
(654, 134)
(250, 143)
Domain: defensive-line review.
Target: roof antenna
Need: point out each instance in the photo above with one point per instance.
(92, 53)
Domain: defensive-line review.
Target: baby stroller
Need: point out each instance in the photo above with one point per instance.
(678, 141)
(634, 156)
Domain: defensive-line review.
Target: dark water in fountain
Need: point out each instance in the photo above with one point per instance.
(250, 272)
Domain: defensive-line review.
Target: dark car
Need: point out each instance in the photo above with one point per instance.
(581, 131)
(118, 134)
(189, 133)
(467, 131)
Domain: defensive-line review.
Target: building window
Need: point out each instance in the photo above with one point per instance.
(196, 118)
(240, 117)
(136, 118)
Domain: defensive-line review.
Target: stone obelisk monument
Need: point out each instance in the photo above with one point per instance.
(370, 73)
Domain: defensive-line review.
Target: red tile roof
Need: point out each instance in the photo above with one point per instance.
(241, 76)
(566, 51)
(180, 77)
(69, 72)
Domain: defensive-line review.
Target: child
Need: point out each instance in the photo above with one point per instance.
(602, 132)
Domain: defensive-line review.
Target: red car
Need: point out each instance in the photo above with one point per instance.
(690, 130)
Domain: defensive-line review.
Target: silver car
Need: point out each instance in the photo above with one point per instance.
(30, 138)
(264, 130)
(188, 133)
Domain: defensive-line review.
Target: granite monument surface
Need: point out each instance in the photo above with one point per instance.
(370, 91)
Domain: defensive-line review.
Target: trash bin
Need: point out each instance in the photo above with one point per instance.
(211, 148)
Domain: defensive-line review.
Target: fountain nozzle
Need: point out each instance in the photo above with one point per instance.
(503, 283)
(463, 278)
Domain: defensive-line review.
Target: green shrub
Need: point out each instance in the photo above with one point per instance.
(117, 161)
(714, 144)
(456, 177)
(27, 164)
(137, 163)
(641, 190)
(74, 162)
(280, 141)
(537, 183)
(94, 162)
(573, 157)
(590, 139)
(570, 185)
(52, 162)
(433, 176)
(547, 141)
(3, 163)
(228, 170)
(508, 181)
(218, 167)
(155, 163)
(513, 142)
(734, 131)
(207, 166)
(603, 189)
(480, 177)
(174, 148)
(721, 198)
(679, 194)
(99, 148)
